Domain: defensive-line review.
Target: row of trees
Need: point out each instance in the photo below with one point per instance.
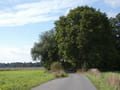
(18, 64)
(83, 38)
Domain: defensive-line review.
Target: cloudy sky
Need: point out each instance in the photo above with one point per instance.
(21, 22)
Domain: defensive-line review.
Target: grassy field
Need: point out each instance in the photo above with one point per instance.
(21, 68)
(23, 80)
(100, 82)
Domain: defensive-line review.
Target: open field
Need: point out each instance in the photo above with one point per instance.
(102, 83)
(21, 68)
(23, 80)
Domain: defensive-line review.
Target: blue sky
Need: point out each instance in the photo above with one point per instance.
(22, 21)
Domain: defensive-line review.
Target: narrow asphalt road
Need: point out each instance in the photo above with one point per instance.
(73, 82)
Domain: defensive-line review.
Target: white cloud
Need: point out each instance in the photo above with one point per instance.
(113, 3)
(111, 14)
(13, 1)
(12, 54)
(44, 10)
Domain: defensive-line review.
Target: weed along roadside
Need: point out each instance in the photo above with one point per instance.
(57, 69)
(104, 80)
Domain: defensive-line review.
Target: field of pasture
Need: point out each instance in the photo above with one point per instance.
(23, 79)
(21, 68)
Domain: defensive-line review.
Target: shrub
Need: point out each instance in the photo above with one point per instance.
(61, 74)
(81, 70)
(56, 67)
(95, 72)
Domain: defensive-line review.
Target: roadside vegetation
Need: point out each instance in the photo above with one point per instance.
(105, 80)
(112, 78)
(56, 67)
(23, 80)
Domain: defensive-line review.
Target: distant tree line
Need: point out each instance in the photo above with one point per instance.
(18, 64)
(85, 37)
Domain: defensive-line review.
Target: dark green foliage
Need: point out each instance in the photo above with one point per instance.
(85, 36)
(115, 23)
(82, 39)
(46, 49)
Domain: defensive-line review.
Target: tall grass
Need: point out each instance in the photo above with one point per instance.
(113, 79)
(108, 80)
(23, 80)
(99, 82)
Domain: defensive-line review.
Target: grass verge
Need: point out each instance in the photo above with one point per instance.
(23, 80)
(99, 82)
(112, 78)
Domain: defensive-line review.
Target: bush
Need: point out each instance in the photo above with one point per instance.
(61, 74)
(56, 67)
(95, 72)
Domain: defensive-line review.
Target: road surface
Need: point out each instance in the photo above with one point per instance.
(73, 82)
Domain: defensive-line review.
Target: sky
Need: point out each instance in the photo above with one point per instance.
(22, 21)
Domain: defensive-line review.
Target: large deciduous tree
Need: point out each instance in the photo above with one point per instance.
(84, 37)
(46, 49)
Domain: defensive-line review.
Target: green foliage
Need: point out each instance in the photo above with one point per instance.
(115, 23)
(85, 36)
(56, 67)
(23, 80)
(46, 49)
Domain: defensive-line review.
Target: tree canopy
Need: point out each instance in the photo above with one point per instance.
(84, 37)
(115, 23)
(46, 49)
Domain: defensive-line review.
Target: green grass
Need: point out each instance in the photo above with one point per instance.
(23, 80)
(99, 83)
